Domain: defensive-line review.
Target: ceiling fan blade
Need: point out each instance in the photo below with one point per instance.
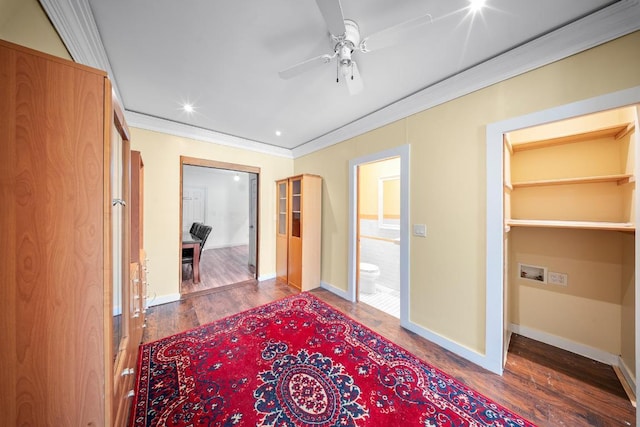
(354, 81)
(305, 66)
(393, 35)
(332, 12)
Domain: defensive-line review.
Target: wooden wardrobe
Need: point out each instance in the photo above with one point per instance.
(65, 251)
(298, 237)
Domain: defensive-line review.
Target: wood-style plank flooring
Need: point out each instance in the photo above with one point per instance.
(218, 267)
(548, 386)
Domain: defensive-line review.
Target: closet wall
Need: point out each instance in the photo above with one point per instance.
(569, 214)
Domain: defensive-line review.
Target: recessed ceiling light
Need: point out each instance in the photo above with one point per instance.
(476, 5)
(188, 108)
(278, 133)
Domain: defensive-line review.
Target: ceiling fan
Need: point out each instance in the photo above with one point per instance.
(345, 38)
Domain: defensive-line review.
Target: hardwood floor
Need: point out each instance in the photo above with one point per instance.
(548, 386)
(218, 267)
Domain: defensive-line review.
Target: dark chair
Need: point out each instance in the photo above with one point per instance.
(194, 230)
(202, 232)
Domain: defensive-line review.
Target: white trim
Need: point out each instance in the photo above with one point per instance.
(627, 374)
(264, 277)
(162, 299)
(75, 23)
(404, 152)
(446, 343)
(157, 124)
(334, 290)
(495, 221)
(565, 344)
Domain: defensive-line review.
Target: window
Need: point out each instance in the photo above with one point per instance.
(389, 202)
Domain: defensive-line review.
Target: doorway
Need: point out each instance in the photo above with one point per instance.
(499, 243)
(223, 196)
(379, 231)
(378, 250)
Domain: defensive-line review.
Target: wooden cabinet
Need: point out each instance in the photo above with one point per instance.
(65, 244)
(584, 179)
(139, 269)
(298, 230)
(137, 206)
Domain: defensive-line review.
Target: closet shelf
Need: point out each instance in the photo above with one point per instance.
(584, 225)
(620, 179)
(616, 132)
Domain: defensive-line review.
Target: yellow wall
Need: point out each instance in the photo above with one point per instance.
(588, 310)
(447, 182)
(447, 177)
(369, 176)
(161, 155)
(25, 23)
(628, 315)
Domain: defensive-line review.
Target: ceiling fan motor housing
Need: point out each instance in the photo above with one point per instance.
(346, 43)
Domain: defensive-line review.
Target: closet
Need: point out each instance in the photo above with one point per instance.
(570, 234)
(67, 316)
(298, 228)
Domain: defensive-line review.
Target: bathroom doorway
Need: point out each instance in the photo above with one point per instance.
(379, 235)
(379, 216)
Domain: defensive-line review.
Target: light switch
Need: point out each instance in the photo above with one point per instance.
(420, 230)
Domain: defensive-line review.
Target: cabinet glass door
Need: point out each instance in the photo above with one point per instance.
(296, 216)
(282, 208)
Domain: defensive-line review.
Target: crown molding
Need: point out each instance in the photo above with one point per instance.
(73, 20)
(157, 124)
(76, 26)
(615, 21)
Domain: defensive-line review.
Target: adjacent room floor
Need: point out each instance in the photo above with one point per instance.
(218, 267)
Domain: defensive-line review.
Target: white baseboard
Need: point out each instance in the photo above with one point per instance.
(162, 299)
(565, 344)
(340, 292)
(627, 374)
(264, 277)
(470, 355)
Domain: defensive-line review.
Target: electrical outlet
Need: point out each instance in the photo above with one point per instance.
(557, 279)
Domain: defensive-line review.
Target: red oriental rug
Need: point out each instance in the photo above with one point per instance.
(298, 362)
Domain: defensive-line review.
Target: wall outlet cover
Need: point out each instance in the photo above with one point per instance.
(557, 279)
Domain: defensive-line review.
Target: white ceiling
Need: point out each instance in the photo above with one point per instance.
(224, 58)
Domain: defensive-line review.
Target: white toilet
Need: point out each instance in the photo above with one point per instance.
(369, 273)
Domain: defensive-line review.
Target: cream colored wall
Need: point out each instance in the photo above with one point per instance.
(447, 176)
(628, 332)
(588, 309)
(161, 155)
(25, 23)
(447, 182)
(332, 164)
(369, 176)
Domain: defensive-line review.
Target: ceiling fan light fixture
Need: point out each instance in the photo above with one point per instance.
(476, 5)
(346, 69)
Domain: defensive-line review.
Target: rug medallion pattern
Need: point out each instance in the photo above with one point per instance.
(298, 362)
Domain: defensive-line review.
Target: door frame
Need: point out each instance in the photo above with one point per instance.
(402, 151)
(495, 319)
(214, 164)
